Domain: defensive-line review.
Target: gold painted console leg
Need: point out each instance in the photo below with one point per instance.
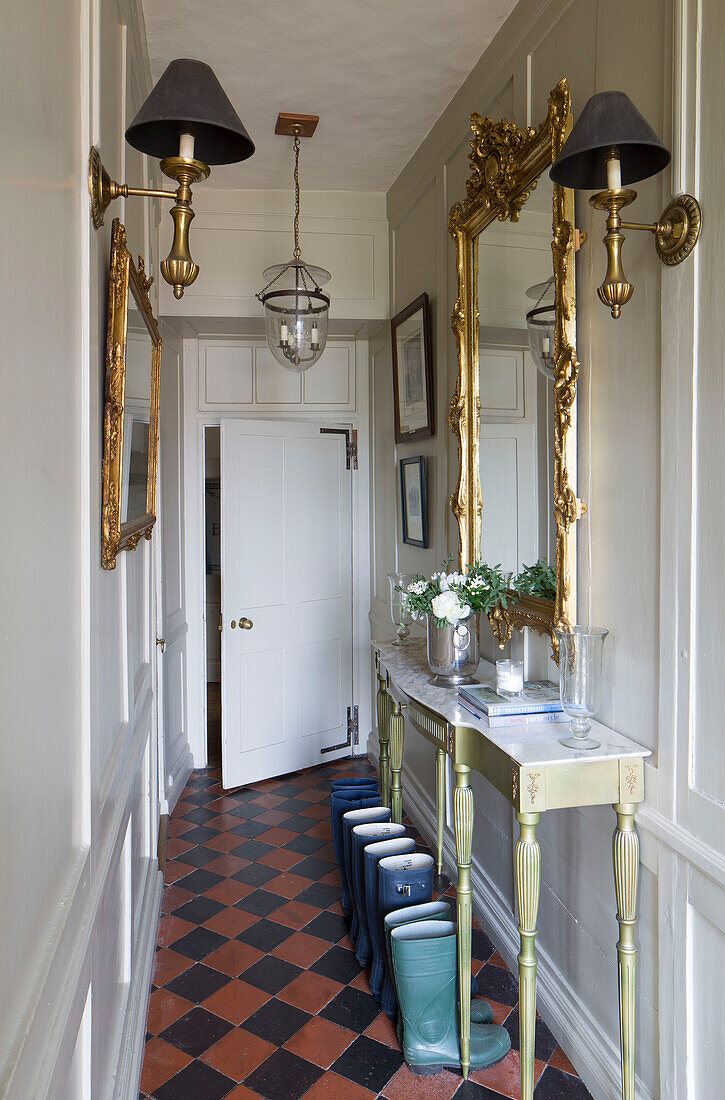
(383, 704)
(463, 826)
(440, 807)
(528, 884)
(397, 735)
(625, 848)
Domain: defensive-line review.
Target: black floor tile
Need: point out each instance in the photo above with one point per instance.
(249, 828)
(198, 1080)
(291, 805)
(328, 926)
(298, 824)
(554, 1084)
(498, 985)
(199, 856)
(199, 881)
(245, 794)
(305, 844)
(265, 935)
(339, 964)
(271, 974)
(246, 810)
(283, 1076)
(320, 894)
(197, 983)
(481, 946)
(196, 1031)
(199, 816)
(545, 1044)
(353, 1009)
(256, 874)
(470, 1090)
(199, 909)
(313, 868)
(368, 1063)
(199, 943)
(198, 779)
(200, 835)
(253, 849)
(261, 903)
(276, 1021)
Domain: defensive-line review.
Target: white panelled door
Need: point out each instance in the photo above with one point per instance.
(287, 567)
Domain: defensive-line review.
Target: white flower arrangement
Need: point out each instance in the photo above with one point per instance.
(450, 597)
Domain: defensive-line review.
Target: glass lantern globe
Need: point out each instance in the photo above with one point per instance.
(541, 327)
(296, 313)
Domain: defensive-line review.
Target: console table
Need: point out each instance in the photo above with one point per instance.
(531, 769)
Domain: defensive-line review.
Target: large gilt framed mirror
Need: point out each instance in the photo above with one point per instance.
(514, 409)
(131, 413)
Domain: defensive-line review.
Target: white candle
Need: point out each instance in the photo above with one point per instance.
(315, 335)
(509, 677)
(546, 345)
(614, 174)
(283, 334)
(186, 146)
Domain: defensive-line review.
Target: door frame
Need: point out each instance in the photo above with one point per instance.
(195, 535)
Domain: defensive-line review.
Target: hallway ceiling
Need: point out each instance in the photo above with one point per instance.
(379, 74)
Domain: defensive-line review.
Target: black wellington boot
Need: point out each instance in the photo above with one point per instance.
(372, 854)
(425, 960)
(366, 815)
(361, 836)
(351, 798)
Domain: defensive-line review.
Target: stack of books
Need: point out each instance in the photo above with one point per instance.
(538, 702)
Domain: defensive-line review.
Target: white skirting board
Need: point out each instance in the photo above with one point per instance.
(595, 1057)
(181, 769)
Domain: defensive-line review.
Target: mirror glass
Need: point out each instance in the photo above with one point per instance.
(515, 292)
(137, 414)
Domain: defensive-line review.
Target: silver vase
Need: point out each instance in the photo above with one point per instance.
(453, 651)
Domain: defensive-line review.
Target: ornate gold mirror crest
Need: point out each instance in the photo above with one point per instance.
(506, 164)
(131, 413)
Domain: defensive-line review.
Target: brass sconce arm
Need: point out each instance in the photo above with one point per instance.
(178, 269)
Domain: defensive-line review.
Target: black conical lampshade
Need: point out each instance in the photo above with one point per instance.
(609, 118)
(189, 98)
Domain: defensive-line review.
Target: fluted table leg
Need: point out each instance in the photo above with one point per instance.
(625, 848)
(397, 736)
(383, 704)
(463, 825)
(528, 884)
(440, 807)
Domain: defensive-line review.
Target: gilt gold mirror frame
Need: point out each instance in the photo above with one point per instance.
(124, 279)
(506, 163)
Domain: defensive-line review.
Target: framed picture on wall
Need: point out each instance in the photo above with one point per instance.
(414, 498)
(413, 371)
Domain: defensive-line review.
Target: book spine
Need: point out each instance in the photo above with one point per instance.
(502, 710)
(497, 721)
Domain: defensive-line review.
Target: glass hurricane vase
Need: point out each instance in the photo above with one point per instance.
(580, 681)
(398, 612)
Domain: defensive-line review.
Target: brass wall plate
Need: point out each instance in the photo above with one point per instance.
(288, 123)
(99, 187)
(685, 216)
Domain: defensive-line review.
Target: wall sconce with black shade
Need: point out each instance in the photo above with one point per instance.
(187, 123)
(611, 145)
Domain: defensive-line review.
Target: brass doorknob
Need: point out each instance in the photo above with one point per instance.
(245, 624)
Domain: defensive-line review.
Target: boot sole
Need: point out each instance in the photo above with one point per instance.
(454, 1067)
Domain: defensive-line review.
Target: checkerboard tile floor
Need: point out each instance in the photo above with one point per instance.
(256, 991)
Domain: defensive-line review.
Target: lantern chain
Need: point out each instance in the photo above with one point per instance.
(297, 253)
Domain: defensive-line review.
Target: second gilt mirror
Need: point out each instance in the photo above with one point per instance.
(514, 409)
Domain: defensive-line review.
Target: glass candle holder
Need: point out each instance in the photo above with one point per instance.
(398, 612)
(580, 681)
(509, 678)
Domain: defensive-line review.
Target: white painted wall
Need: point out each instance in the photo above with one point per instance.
(79, 881)
(650, 547)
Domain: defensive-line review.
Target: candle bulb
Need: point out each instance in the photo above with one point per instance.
(315, 335)
(614, 174)
(546, 345)
(186, 146)
(283, 334)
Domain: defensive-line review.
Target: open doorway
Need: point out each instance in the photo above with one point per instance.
(212, 527)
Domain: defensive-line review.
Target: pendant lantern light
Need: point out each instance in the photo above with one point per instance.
(540, 325)
(296, 311)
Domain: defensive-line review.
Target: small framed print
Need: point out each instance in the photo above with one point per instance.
(414, 497)
(412, 371)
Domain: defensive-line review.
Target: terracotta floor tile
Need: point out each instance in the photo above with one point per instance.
(238, 1054)
(172, 928)
(231, 921)
(336, 907)
(333, 1087)
(161, 1063)
(233, 957)
(164, 1009)
(313, 796)
(177, 826)
(497, 960)
(229, 891)
(288, 885)
(227, 865)
(301, 949)
(269, 801)
(272, 817)
(173, 897)
(241, 1092)
(277, 836)
(310, 991)
(236, 1001)
(383, 1030)
(346, 942)
(320, 1041)
(296, 914)
(281, 858)
(323, 831)
(176, 847)
(174, 871)
(333, 878)
(225, 842)
(406, 1085)
(225, 822)
(317, 813)
(500, 1012)
(169, 964)
(559, 1060)
(360, 981)
(505, 1078)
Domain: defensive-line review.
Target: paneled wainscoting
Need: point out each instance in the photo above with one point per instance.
(256, 991)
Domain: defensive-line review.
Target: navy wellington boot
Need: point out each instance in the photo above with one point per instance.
(425, 960)
(372, 854)
(402, 881)
(353, 781)
(366, 815)
(361, 836)
(351, 798)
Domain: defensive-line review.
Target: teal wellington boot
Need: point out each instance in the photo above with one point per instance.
(481, 1011)
(425, 964)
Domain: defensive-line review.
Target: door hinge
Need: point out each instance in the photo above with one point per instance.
(350, 444)
(352, 733)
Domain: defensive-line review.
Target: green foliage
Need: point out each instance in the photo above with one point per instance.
(536, 580)
(480, 587)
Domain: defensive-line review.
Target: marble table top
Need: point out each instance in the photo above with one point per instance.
(534, 743)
